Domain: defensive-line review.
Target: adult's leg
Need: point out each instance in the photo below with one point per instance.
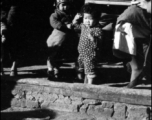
(2, 56)
(14, 57)
(136, 71)
(137, 63)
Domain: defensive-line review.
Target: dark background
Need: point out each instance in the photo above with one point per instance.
(36, 28)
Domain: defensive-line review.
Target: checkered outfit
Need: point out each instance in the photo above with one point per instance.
(88, 49)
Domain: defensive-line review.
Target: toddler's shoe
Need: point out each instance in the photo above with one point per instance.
(56, 73)
(50, 75)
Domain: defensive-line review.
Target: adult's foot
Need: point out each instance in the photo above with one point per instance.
(132, 84)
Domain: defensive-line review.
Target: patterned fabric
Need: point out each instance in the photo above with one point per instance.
(88, 49)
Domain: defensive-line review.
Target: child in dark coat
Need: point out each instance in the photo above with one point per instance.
(61, 21)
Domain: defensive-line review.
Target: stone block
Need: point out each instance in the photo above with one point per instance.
(35, 93)
(45, 105)
(120, 111)
(36, 88)
(103, 112)
(106, 104)
(111, 119)
(47, 89)
(32, 104)
(29, 97)
(26, 87)
(102, 118)
(75, 108)
(66, 92)
(76, 103)
(17, 96)
(23, 103)
(18, 103)
(56, 91)
(83, 109)
(40, 98)
(76, 100)
(138, 113)
(108, 112)
(73, 98)
(67, 100)
(52, 97)
(91, 110)
(99, 110)
(77, 94)
(62, 107)
(91, 101)
(15, 90)
(15, 102)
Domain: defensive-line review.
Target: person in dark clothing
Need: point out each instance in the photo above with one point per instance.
(60, 21)
(3, 32)
(13, 32)
(136, 19)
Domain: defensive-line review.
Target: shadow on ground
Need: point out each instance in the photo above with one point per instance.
(37, 114)
(7, 113)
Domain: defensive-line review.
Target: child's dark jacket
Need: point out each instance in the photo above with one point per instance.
(58, 21)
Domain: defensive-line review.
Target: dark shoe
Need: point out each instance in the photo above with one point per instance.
(132, 84)
(13, 73)
(56, 73)
(50, 75)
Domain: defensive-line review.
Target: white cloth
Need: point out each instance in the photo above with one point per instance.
(124, 40)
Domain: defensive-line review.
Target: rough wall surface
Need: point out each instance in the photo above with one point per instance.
(101, 101)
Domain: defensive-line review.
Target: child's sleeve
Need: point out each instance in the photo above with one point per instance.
(56, 23)
(77, 27)
(98, 34)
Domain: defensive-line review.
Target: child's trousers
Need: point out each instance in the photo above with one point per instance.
(53, 51)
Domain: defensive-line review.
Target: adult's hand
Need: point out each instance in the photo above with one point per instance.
(140, 3)
(135, 2)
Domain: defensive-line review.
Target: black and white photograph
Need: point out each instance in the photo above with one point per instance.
(76, 59)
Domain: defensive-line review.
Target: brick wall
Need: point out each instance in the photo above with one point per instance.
(101, 101)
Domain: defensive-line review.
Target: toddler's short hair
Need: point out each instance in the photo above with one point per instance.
(91, 9)
(58, 2)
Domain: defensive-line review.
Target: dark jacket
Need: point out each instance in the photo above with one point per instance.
(58, 21)
(138, 17)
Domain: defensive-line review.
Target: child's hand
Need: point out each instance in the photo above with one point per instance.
(76, 18)
(90, 36)
(69, 26)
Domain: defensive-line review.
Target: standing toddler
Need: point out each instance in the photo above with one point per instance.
(90, 40)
